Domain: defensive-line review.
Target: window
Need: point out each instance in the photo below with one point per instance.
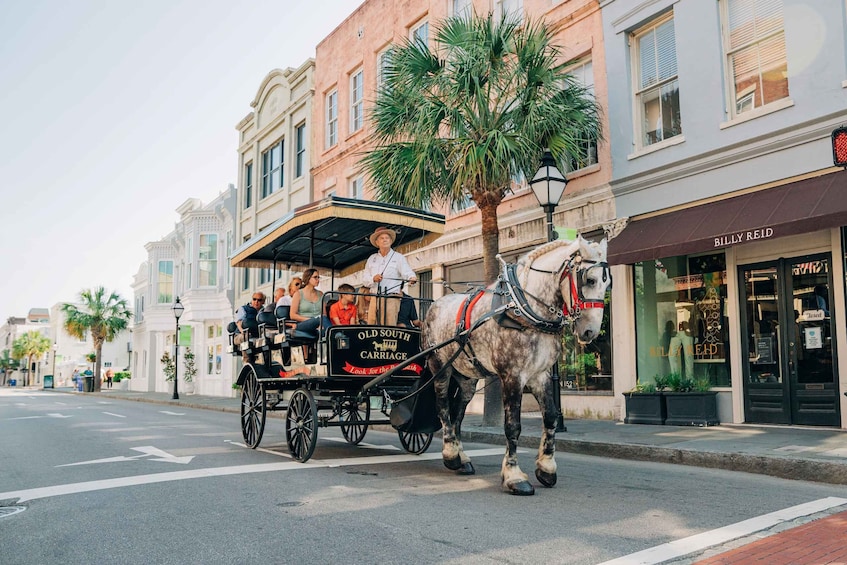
(264, 276)
(754, 47)
(273, 161)
(462, 8)
(357, 117)
(357, 188)
(248, 185)
(245, 280)
(300, 159)
(583, 72)
(512, 8)
(228, 254)
(681, 322)
(657, 86)
(383, 62)
(165, 293)
(208, 263)
(420, 33)
(331, 118)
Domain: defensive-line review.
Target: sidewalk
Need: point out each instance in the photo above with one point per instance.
(810, 454)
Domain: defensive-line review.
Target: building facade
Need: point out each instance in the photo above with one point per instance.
(274, 161)
(730, 263)
(189, 263)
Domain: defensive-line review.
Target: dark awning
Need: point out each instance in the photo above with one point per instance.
(803, 206)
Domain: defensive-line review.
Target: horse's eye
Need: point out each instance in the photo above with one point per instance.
(591, 281)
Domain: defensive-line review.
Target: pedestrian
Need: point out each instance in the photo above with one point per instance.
(109, 375)
(385, 272)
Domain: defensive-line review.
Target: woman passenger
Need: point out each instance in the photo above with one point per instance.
(306, 304)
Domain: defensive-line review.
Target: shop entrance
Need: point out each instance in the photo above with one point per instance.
(787, 332)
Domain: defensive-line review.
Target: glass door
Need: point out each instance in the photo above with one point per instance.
(789, 375)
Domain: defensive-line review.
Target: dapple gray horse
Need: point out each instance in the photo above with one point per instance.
(513, 330)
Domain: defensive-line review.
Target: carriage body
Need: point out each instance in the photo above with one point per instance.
(346, 376)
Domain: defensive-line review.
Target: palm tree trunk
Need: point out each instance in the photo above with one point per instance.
(97, 350)
(493, 407)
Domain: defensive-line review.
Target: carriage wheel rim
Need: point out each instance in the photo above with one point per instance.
(351, 411)
(252, 411)
(301, 425)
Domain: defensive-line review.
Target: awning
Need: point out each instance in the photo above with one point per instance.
(333, 234)
(803, 206)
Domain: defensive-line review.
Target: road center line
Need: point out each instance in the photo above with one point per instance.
(89, 486)
(115, 415)
(699, 542)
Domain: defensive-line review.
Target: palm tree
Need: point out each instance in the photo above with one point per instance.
(464, 121)
(7, 365)
(103, 315)
(31, 345)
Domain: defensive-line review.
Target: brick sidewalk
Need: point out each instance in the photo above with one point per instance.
(820, 542)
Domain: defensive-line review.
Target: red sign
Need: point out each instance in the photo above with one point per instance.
(354, 370)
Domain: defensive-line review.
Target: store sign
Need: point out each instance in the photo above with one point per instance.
(743, 237)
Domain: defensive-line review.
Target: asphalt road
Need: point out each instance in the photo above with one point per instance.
(109, 481)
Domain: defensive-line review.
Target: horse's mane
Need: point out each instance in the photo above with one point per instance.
(531, 256)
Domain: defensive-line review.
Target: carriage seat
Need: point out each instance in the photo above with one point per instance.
(287, 327)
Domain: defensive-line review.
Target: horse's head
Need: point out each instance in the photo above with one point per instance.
(584, 287)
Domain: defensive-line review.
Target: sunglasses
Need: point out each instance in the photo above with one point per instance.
(258, 299)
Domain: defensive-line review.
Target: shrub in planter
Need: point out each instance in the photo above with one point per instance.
(691, 403)
(645, 405)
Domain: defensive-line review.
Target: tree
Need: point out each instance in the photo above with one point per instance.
(31, 345)
(462, 122)
(7, 365)
(103, 315)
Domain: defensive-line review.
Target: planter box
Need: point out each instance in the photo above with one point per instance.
(692, 408)
(645, 408)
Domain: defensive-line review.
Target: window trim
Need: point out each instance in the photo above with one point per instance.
(267, 173)
(201, 261)
(300, 149)
(357, 100)
(248, 185)
(331, 118)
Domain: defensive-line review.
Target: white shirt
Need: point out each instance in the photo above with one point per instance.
(394, 269)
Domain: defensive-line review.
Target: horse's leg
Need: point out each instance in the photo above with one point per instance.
(545, 462)
(459, 400)
(450, 443)
(513, 479)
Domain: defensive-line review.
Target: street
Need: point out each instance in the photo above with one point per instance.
(105, 481)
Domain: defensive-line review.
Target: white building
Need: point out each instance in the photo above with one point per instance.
(191, 264)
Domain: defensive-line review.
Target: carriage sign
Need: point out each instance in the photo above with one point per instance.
(373, 350)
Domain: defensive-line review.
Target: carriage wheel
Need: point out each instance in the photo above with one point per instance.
(301, 425)
(253, 409)
(355, 414)
(415, 443)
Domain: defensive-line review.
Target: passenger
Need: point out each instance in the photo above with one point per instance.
(344, 312)
(385, 272)
(245, 320)
(279, 292)
(407, 317)
(293, 287)
(306, 305)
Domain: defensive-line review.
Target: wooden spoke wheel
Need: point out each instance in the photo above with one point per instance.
(301, 425)
(253, 409)
(414, 442)
(353, 418)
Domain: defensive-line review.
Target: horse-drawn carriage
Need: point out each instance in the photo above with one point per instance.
(332, 378)
(511, 329)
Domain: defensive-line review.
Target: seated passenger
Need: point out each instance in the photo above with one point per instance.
(407, 317)
(293, 287)
(279, 292)
(306, 305)
(344, 311)
(245, 320)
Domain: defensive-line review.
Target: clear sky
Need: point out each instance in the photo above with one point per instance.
(113, 113)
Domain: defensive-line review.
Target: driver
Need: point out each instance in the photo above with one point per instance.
(385, 272)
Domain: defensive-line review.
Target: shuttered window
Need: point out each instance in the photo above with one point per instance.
(657, 87)
(754, 46)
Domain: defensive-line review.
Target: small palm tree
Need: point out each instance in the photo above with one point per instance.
(103, 315)
(31, 345)
(7, 365)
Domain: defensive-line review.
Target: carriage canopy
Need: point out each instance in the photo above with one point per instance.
(333, 234)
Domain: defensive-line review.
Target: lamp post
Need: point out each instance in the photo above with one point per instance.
(548, 185)
(178, 309)
(55, 349)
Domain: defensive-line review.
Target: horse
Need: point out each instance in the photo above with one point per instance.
(512, 329)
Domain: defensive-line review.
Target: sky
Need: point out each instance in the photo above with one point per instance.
(115, 112)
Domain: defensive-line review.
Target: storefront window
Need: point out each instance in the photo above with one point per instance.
(588, 366)
(680, 319)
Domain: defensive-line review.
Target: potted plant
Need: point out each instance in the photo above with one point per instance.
(690, 403)
(189, 370)
(168, 366)
(645, 403)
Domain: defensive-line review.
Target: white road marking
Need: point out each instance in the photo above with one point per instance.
(55, 415)
(172, 413)
(90, 486)
(365, 444)
(115, 415)
(699, 542)
(263, 450)
(25, 418)
(106, 460)
(163, 455)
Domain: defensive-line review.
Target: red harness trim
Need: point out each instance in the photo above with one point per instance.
(578, 304)
(466, 310)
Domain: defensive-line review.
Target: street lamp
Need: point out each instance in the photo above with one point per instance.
(55, 349)
(548, 185)
(178, 309)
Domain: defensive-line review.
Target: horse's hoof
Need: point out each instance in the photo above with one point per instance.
(545, 478)
(521, 488)
(453, 464)
(466, 469)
